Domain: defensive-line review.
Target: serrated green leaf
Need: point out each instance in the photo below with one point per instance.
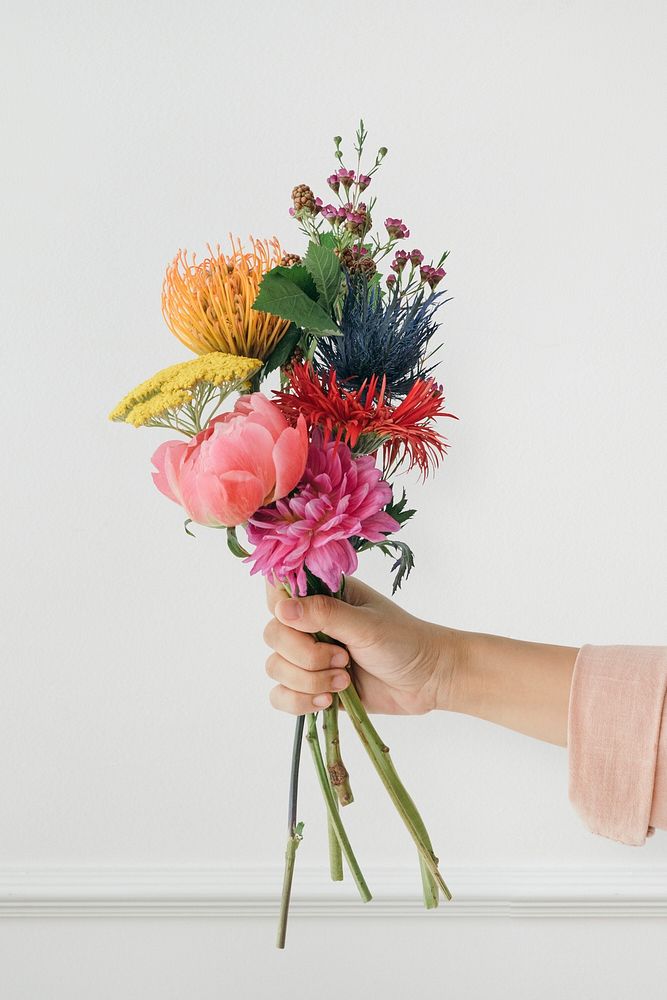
(323, 265)
(299, 275)
(404, 564)
(328, 240)
(397, 510)
(282, 297)
(390, 547)
(282, 352)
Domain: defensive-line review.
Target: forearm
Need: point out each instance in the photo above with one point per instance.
(522, 685)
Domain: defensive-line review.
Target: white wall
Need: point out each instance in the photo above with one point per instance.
(135, 729)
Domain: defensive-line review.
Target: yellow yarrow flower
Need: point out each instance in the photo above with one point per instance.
(208, 304)
(177, 396)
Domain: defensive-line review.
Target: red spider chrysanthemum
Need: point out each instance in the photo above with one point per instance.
(366, 420)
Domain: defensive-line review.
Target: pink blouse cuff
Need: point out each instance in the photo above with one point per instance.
(617, 740)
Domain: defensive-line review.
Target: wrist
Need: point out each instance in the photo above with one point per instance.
(452, 669)
(524, 686)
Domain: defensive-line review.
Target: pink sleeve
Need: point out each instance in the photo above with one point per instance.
(617, 740)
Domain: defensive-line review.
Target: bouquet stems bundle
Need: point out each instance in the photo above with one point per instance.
(308, 472)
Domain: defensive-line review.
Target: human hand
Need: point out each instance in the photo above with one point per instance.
(400, 664)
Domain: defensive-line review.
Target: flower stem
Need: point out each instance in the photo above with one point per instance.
(293, 842)
(330, 724)
(294, 833)
(294, 773)
(332, 809)
(379, 755)
(335, 853)
(338, 774)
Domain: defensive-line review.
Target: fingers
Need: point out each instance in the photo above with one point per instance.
(302, 649)
(340, 620)
(302, 690)
(296, 703)
(358, 593)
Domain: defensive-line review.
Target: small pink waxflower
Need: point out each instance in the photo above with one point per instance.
(334, 182)
(355, 222)
(339, 497)
(416, 257)
(397, 229)
(333, 214)
(431, 275)
(363, 181)
(346, 178)
(357, 218)
(239, 462)
(400, 260)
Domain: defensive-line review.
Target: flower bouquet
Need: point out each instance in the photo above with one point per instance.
(308, 470)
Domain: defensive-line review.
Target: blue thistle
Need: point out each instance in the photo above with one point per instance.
(381, 337)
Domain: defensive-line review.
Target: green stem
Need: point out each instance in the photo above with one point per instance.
(294, 832)
(293, 841)
(379, 755)
(335, 853)
(332, 808)
(429, 886)
(338, 774)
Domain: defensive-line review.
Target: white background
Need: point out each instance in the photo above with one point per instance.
(134, 723)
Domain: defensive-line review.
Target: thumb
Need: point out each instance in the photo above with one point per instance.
(319, 613)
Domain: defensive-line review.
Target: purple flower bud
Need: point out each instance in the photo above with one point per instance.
(363, 181)
(399, 261)
(346, 178)
(432, 275)
(291, 211)
(333, 182)
(356, 218)
(318, 206)
(330, 213)
(397, 229)
(391, 280)
(355, 222)
(416, 257)
(436, 276)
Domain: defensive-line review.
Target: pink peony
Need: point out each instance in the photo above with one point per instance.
(239, 462)
(339, 496)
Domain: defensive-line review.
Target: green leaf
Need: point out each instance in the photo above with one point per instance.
(403, 565)
(235, 546)
(328, 240)
(188, 521)
(315, 585)
(300, 276)
(325, 269)
(374, 280)
(282, 352)
(398, 512)
(281, 296)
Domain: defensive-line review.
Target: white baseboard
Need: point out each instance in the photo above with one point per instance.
(254, 892)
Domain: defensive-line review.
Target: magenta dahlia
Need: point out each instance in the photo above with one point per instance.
(338, 497)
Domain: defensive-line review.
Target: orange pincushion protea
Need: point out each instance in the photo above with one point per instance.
(208, 305)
